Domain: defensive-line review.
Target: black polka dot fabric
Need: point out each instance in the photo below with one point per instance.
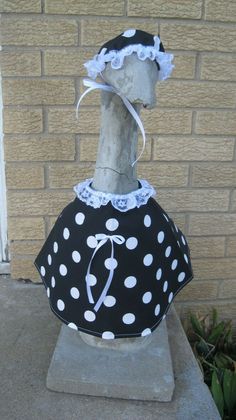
(113, 274)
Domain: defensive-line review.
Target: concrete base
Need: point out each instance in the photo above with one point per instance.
(141, 374)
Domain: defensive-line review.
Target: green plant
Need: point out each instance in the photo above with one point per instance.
(213, 345)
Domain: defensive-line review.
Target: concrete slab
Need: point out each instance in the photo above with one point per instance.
(142, 374)
(29, 331)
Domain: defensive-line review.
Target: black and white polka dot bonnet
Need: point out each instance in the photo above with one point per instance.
(144, 44)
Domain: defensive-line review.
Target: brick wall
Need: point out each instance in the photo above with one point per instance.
(190, 155)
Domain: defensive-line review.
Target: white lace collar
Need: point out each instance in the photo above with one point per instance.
(121, 202)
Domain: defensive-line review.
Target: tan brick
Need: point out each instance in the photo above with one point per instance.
(38, 91)
(63, 120)
(178, 218)
(39, 31)
(164, 175)
(212, 224)
(39, 148)
(220, 10)
(23, 268)
(160, 8)
(184, 66)
(194, 199)
(66, 176)
(37, 203)
(206, 246)
(214, 268)
(22, 120)
(85, 7)
(227, 289)
(198, 290)
(97, 32)
(51, 222)
(200, 37)
(24, 176)
(21, 63)
(175, 93)
(21, 6)
(165, 121)
(216, 122)
(214, 175)
(24, 228)
(231, 246)
(193, 148)
(226, 309)
(218, 67)
(233, 201)
(25, 247)
(64, 62)
(88, 148)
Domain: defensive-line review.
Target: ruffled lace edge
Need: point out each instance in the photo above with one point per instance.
(121, 202)
(116, 58)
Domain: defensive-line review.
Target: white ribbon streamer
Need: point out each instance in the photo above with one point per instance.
(118, 239)
(92, 85)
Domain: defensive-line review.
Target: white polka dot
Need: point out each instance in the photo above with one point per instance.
(186, 258)
(145, 332)
(183, 240)
(148, 259)
(108, 335)
(170, 297)
(48, 292)
(174, 264)
(49, 259)
(63, 270)
(73, 326)
(165, 286)
(130, 282)
(178, 243)
(89, 316)
(147, 297)
(147, 221)
(60, 305)
(157, 309)
(166, 217)
(112, 224)
(76, 256)
(111, 263)
(164, 317)
(79, 218)
(129, 33)
(66, 233)
(131, 243)
(168, 251)
(128, 318)
(160, 236)
(74, 292)
(181, 276)
(42, 270)
(55, 247)
(53, 282)
(176, 228)
(91, 280)
(109, 301)
(158, 273)
(92, 242)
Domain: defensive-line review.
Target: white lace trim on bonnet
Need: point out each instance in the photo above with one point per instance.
(116, 58)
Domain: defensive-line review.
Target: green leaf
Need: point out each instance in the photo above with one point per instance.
(217, 393)
(222, 361)
(229, 388)
(197, 327)
(214, 317)
(216, 333)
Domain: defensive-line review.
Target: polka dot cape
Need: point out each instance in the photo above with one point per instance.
(111, 273)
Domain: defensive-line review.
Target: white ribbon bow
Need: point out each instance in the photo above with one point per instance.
(118, 239)
(91, 84)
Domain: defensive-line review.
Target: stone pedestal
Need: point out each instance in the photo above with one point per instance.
(141, 374)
